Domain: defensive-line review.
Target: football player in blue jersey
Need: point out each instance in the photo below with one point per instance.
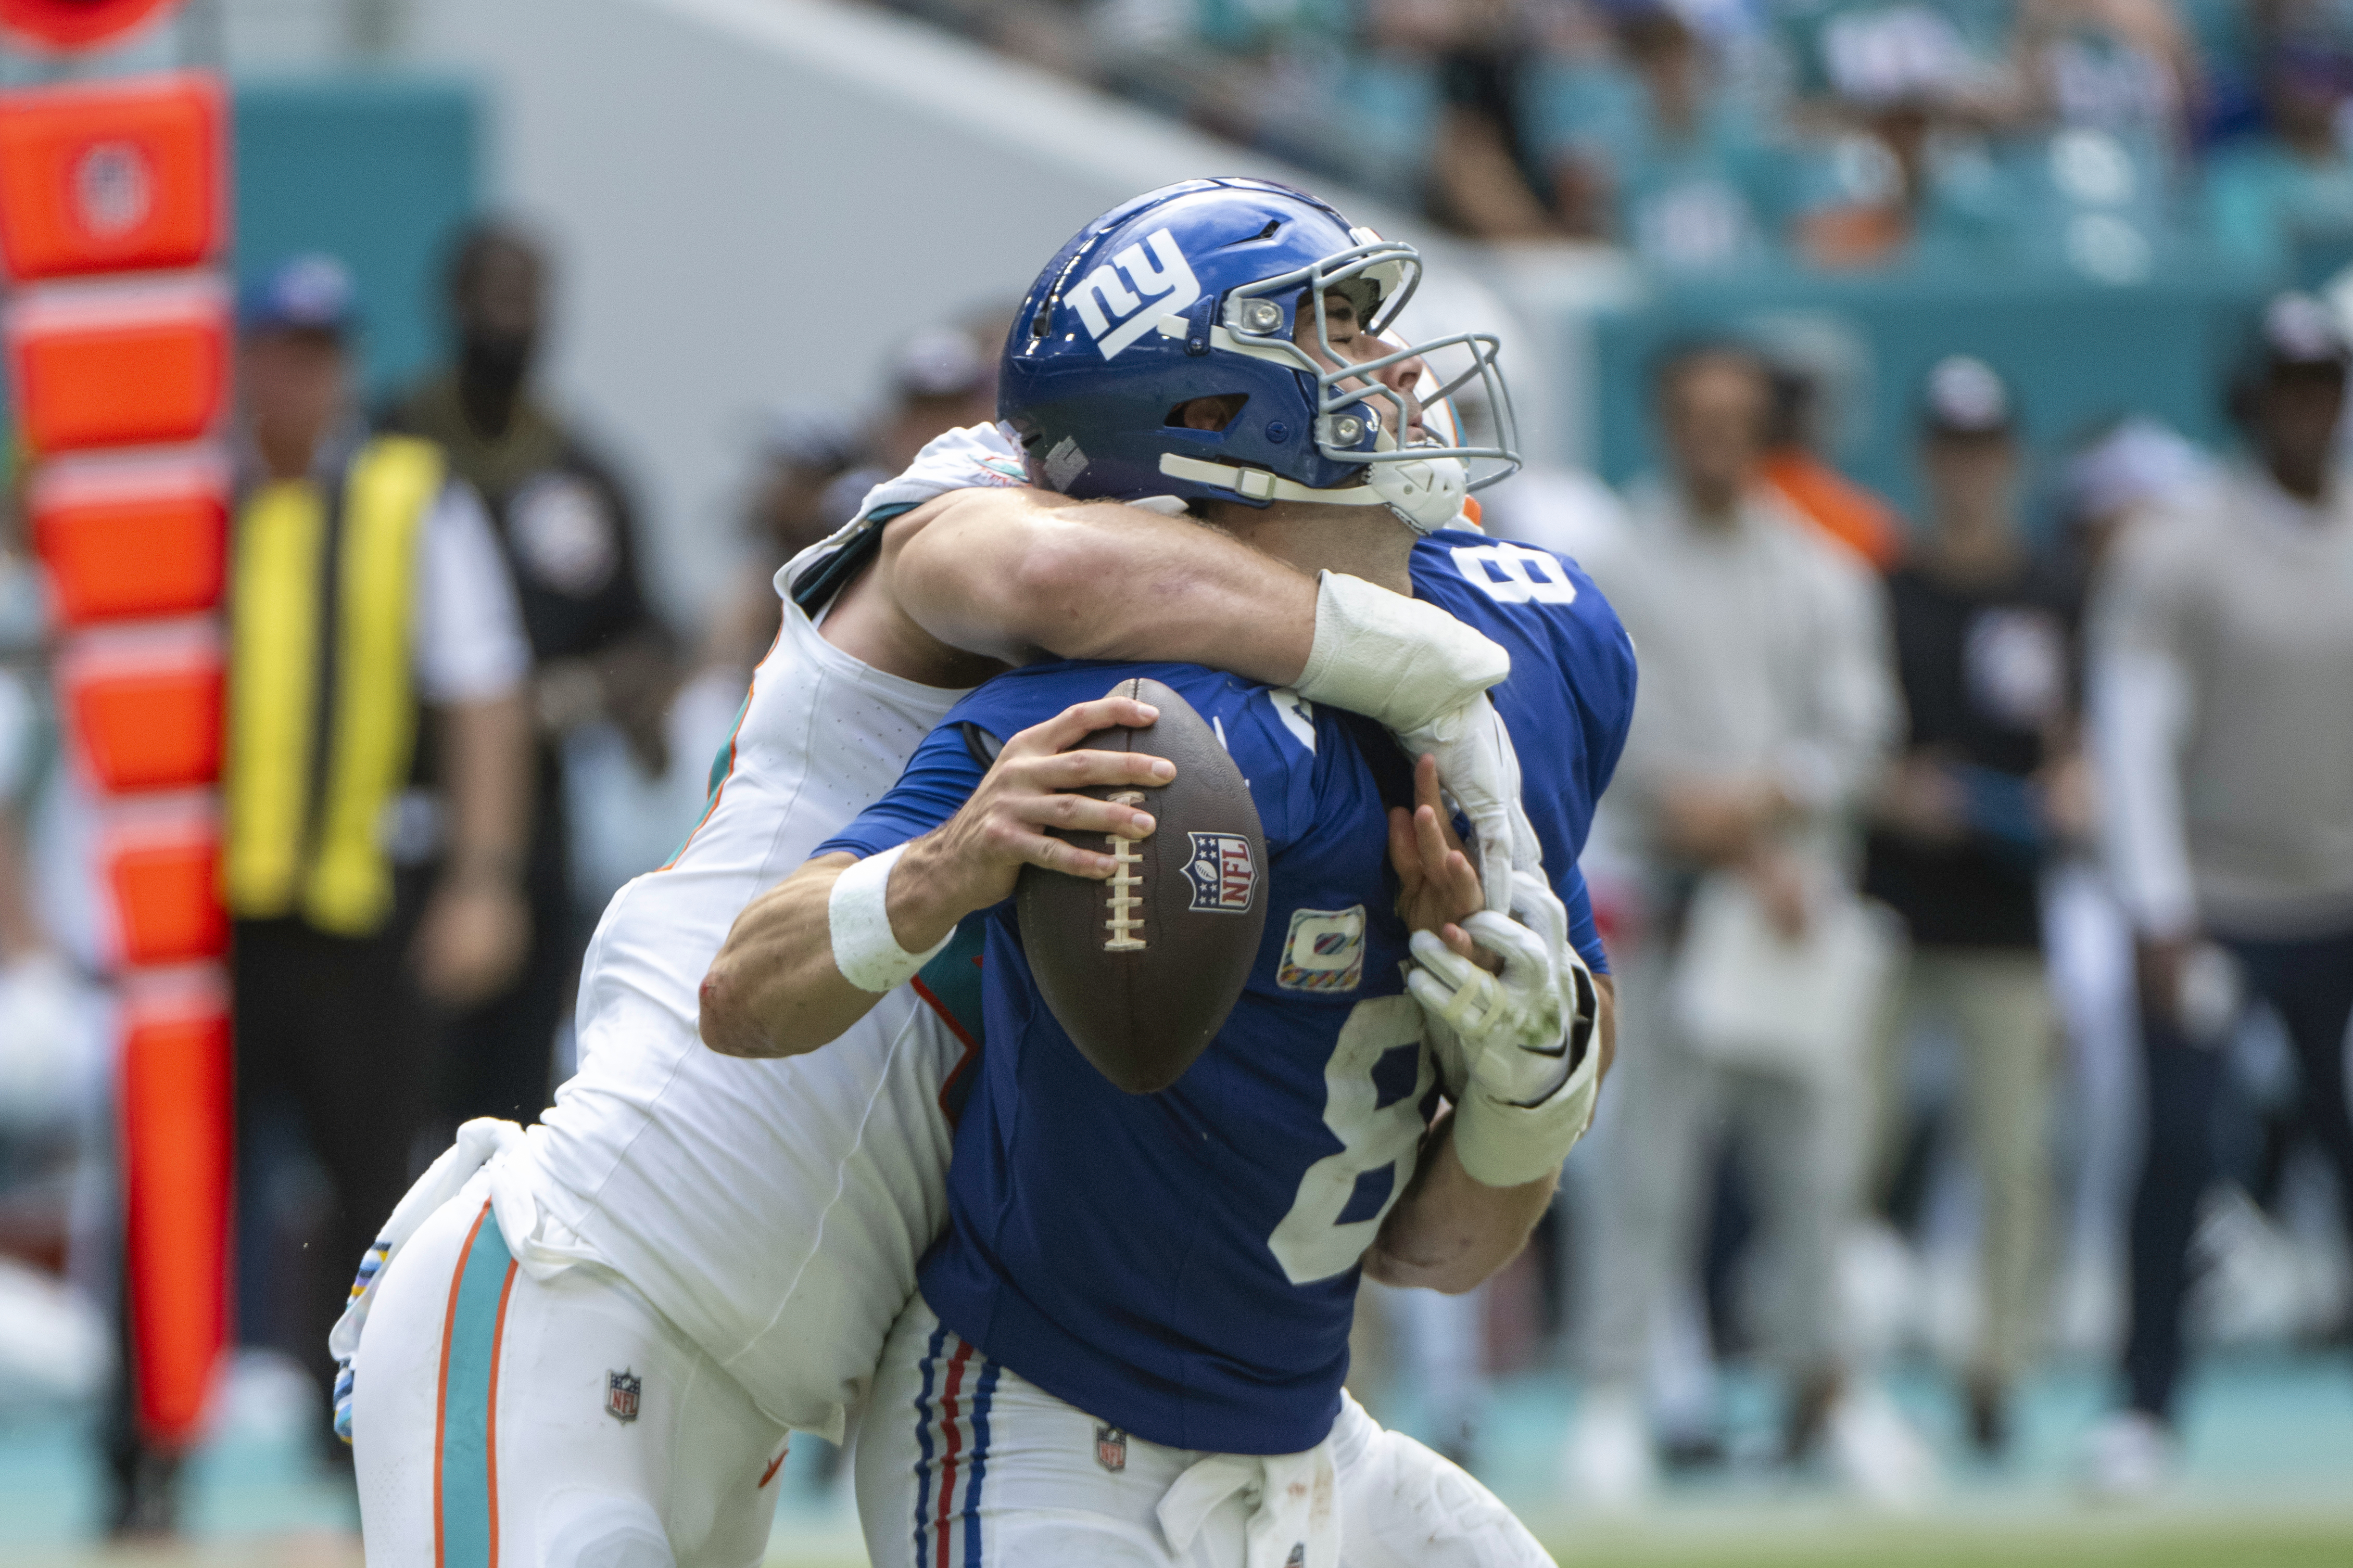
(1130, 1341)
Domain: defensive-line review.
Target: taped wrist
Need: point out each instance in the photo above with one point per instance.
(1503, 1145)
(856, 915)
(1391, 659)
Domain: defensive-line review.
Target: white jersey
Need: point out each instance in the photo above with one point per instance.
(709, 1182)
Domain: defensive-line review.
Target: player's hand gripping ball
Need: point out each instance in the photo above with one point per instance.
(1142, 968)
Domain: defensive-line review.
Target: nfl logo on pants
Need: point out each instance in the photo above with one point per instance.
(1110, 1449)
(621, 1389)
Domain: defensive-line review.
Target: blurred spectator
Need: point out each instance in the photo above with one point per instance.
(1660, 160)
(942, 378)
(2120, 66)
(1765, 713)
(816, 467)
(2292, 184)
(1566, 510)
(2223, 710)
(1811, 487)
(568, 538)
(1986, 778)
(2138, 464)
(1485, 170)
(368, 593)
(1905, 92)
(2122, 475)
(639, 777)
(800, 455)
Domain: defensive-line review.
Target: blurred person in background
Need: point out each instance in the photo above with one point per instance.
(942, 378)
(1766, 712)
(2223, 725)
(1564, 509)
(2125, 67)
(377, 787)
(1658, 157)
(2118, 476)
(799, 456)
(2292, 181)
(637, 778)
(1811, 487)
(1988, 777)
(1485, 170)
(568, 538)
(816, 467)
(1901, 94)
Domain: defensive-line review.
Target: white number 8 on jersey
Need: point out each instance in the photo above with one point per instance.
(1515, 574)
(1311, 1243)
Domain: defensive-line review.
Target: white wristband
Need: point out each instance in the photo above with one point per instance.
(1511, 1145)
(1391, 659)
(1506, 1144)
(864, 948)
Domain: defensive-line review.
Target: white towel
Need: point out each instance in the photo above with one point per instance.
(1295, 1520)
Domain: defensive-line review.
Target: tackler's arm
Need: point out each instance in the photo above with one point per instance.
(813, 954)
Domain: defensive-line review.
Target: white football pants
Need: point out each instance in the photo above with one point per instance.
(619, 1443)
(963, 1463)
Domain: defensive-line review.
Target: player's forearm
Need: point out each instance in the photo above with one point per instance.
(1450, 1233)
(1011, 573)
(488, 747)
(776, 987)
(773, 989)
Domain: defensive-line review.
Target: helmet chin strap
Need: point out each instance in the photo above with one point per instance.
(1425, 494)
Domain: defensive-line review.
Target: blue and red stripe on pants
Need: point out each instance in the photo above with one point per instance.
(951, 1444)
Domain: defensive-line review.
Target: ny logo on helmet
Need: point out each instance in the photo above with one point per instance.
(1159, 290)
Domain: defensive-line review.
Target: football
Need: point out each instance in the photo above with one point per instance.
(1142, 969)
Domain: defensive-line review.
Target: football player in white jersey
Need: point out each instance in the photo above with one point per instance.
(600, 1334)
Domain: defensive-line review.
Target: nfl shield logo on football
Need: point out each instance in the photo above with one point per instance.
(1223, 875)
(621, 1390)
(1110, 1449)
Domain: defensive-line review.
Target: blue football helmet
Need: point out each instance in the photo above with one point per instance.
(1194, 291)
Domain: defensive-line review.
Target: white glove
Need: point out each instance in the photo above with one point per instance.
(1397, 661)
(1478, 766)
(1516, 1051)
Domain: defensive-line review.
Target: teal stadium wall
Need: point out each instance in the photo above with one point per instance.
(378, 170)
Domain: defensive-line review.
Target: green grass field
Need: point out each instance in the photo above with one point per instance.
(1828, 1540)
(2074, 1542)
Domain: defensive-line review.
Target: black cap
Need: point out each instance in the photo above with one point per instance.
(1965, 396)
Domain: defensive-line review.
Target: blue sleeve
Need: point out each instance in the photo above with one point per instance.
(1617, 721)
(1583, 935)
(939, 778)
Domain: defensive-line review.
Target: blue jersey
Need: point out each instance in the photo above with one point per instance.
(1184, 1264)
(1569, 700)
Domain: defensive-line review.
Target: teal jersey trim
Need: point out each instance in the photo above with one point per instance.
(465, 1480)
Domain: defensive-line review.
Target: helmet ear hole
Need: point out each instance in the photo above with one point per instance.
(1216, 413)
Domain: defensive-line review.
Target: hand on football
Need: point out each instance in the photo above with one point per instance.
(974, 858)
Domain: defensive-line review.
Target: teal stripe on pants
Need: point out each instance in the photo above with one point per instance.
(466, 1506)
